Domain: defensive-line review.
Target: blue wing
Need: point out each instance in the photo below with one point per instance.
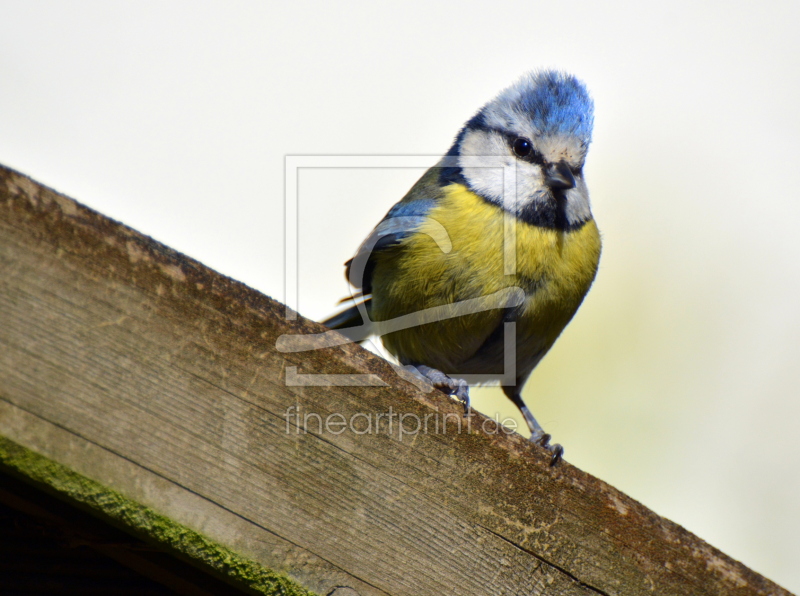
(399, 223)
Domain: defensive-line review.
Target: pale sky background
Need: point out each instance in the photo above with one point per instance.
(677, 382)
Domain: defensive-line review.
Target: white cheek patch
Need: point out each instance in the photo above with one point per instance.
(578, 207)
(492, 171)
(483, 157)
(529, 183)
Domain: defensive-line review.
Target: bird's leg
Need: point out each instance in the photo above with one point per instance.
(441, 381)
(538, 435)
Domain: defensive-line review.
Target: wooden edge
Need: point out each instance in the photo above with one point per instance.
(143, 522)
(490, 461)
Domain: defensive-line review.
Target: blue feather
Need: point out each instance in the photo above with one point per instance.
(556, 103)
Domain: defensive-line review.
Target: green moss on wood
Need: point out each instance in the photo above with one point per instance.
(144, 521)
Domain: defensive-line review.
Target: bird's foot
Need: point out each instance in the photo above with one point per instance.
(543, 439)
(457, 387)
(538, 436)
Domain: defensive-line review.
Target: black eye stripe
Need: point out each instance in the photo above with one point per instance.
(533, 156)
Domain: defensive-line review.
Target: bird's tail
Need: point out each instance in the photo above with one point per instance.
(351, 319)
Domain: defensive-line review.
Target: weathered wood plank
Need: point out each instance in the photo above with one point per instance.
(64, 534)
(144, 370)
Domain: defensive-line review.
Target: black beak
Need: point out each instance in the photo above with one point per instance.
(558, 176)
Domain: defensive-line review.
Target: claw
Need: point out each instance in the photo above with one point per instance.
(543, 440)
(462, 393)
(558, 452)
(538, 436)
(457, 387)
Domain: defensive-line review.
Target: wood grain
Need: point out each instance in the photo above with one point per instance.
(150, 373)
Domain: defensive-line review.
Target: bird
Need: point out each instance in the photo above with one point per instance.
(500, 231)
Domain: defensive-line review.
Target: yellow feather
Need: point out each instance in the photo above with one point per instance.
(554, 268)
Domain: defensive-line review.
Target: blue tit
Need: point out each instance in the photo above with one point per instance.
(446, 245)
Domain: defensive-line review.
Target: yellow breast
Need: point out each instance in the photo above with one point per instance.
(554, 269)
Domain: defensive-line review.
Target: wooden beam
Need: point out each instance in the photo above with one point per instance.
(138, 369)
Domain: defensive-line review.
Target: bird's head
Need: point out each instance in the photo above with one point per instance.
(541, 128)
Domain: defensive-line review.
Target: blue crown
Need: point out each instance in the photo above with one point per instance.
(554, 102)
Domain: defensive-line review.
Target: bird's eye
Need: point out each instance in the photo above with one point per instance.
(522, 147)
